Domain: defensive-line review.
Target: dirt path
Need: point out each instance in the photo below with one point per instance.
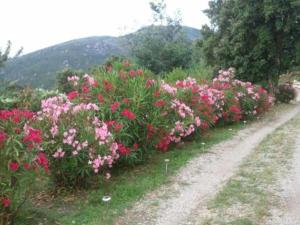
(202, 177)
(288, 211)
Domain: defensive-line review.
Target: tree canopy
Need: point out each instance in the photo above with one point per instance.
(261, 39)
(164, 46)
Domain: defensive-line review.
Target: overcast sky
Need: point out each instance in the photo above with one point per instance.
(36, 24)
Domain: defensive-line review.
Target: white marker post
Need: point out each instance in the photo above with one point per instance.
(167, 161)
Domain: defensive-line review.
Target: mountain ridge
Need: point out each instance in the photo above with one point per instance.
(39, 68)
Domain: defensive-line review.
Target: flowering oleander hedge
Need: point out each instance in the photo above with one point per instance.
(121, 114)
(21, 157)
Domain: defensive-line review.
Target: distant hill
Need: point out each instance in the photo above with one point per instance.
(39, 68)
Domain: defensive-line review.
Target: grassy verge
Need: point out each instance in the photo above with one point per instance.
(126, 187)
(247, 197)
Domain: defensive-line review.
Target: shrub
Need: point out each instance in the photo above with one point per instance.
(285, 93)
(20, 158)
(120, 115)
(124, 116)
(62, 83)
(176, 74)
(252, 99)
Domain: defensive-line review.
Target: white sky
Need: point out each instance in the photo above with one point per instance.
(36, 24)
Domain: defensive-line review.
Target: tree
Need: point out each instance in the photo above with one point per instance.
(62, 83)
(258, 38)
(4, 55)
(163, 45)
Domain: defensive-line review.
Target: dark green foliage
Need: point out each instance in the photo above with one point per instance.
(62, 83)
(258, 38)
(159, 54)
(164, 49)
(285, 93)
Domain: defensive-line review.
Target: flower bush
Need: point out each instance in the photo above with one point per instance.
(21, 157)
(122, 113)
(285, 93)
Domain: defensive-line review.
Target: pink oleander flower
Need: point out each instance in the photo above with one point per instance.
(59, 153)
(168, 88)
(198, 121)
(107, 176)
(97, 163)
(102, 134)
(187, 83)
(90, 80)
(182, 109)
(54, 131)
(74, 80)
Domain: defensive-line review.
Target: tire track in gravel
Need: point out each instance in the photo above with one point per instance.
(288, 212)
(199, 181)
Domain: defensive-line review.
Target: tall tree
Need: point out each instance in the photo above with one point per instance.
(162, 46)
(257, 37)
(4, 55)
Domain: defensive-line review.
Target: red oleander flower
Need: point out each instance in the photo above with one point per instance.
(42, 160)
(33, 136)
(151, 131)
(122, 74)
(156, 93)
(14, 166)
(234, 109)
(123, 150)
(100, 98)
(107, 85)
(159, 103)
(114, 106)
(110, 123)
(5, 114)
(126, 101)
(163, 145)
(95, 84)
(6, 202)
(85, 89)
(17, 130)
(26, 166)
(126, 63)
(27, 114)
(71, 95)
(118, 127)
(16, 119)
(139, 72)
(135, 146)
(127, 113)
(149, 83)
(2, 137)
(132, 73)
